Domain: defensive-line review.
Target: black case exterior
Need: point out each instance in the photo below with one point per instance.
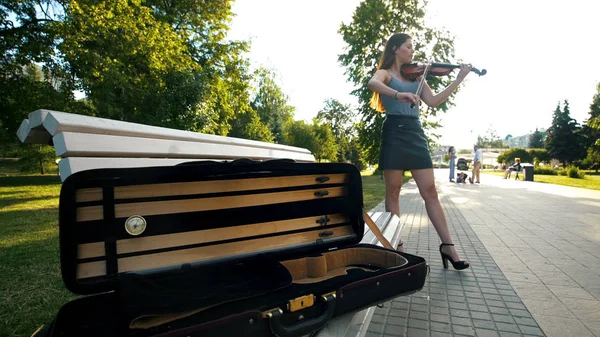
(105, 312)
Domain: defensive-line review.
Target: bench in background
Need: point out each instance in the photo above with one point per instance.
(520, 171)
(85, 143)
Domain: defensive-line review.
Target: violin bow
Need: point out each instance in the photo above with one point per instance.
(422, 82)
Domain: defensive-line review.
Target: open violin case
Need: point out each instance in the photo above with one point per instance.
(211, 248)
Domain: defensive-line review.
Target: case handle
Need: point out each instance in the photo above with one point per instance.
(306, 327)
(321, 193)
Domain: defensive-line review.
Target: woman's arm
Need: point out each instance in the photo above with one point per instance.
(378, 84)
(434, 100)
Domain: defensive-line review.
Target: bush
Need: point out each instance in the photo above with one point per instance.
(546, 171)
(573, 172)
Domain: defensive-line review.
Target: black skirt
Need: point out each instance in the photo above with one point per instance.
(403, 144)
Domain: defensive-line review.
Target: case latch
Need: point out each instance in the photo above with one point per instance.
(301, 303)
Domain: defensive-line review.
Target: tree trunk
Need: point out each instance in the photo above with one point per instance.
(41, 166)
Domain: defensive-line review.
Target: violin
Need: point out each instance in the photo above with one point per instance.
(411, 71)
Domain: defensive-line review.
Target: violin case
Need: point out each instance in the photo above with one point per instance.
(210, 248)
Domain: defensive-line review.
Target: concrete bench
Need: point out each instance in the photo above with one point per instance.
(85, 143)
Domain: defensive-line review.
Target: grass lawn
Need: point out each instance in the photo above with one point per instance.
(31, 288)
(590, 180)
(374, 188)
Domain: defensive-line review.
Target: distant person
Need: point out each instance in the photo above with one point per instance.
(514, 167)
(452, 158)
(476, 164)
(403, 142)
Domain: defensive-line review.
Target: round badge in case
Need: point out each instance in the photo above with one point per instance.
(135, 225)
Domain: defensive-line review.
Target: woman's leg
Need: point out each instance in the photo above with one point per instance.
(451, 169)
(393, 184)
(426, 183)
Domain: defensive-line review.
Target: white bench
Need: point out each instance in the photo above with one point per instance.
(85, 142)
(520, 171)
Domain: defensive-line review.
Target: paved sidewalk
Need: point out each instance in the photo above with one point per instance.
(535, 255)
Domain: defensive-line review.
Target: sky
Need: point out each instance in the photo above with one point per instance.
(536, 54)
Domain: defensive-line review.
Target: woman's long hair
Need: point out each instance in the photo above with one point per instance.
(386, 61)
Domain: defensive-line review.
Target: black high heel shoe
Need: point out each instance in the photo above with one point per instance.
(458, 265)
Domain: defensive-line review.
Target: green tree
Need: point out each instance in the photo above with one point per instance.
(340, 119)
(540, 155)
(373, 22)
(591, 131)
(27, 32)
(324, 147)
(564, 140)
(536, 140)
(300, 134)
(156, 62)
(490, 139)
(271, 105)
(248, 125)
(21, 93)
(357, 154)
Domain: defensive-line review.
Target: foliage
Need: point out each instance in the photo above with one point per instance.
(564, 140)
(357, 155)
(36, 157)
(573, 172)
(155, 62)
(271, 105)
(540, 155)
(490, 140)
(300, 134)
(373, 22)
(592, 160)
(324, 145)
(509, 156)
(591, 131)
(27, 33)
(339, 117)
(248, 125)
(545, 171)
(536, 139)
(35, 85)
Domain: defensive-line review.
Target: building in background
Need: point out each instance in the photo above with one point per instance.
(521, 141)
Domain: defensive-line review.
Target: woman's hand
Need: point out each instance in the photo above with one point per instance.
(465, 69)
(407, 97)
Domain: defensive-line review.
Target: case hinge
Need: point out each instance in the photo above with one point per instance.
(301, 302)
(272, 313)
(328, 296)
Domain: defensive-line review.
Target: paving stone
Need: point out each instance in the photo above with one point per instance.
(486, 333)
(479, 301)
(417, 332)
(439, 318)
(484, 324)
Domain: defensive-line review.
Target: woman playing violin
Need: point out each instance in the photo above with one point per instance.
(403, 142)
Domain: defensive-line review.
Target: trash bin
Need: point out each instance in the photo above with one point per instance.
(527, 172)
